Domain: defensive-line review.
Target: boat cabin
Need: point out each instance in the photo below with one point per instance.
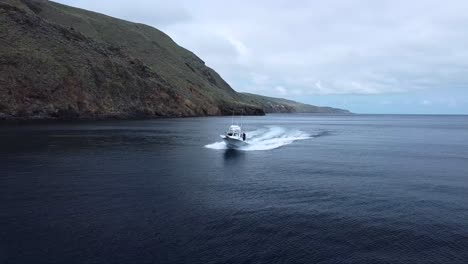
(234, 131)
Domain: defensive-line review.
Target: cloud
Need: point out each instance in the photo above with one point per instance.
(157, 13)
(281, 90)
(361, 47)
(426, 102)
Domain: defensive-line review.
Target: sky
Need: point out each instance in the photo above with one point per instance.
(367, 56)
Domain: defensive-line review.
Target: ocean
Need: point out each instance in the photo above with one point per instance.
(307, 189)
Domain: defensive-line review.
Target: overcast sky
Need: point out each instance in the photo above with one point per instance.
(367, 56)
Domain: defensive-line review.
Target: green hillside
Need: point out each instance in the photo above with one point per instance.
(62, 62)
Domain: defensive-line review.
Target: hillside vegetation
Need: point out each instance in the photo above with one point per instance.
(62, 62)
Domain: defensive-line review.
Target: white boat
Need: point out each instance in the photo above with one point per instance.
(234, 137)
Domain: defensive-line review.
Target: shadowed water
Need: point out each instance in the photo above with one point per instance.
(310, 189)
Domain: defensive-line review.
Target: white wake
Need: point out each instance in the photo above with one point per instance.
(266, 138)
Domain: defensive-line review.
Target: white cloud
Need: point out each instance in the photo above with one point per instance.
(452, 103)
(158, 13)
(314, 47)
(281, 90)
(426, 102)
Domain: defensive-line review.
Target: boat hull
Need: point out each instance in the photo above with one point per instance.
(233, 142)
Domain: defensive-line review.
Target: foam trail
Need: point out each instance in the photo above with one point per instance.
(217, 145)
(266, 138)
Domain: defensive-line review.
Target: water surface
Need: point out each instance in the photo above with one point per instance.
(309, 189)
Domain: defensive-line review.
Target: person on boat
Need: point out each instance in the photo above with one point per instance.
(243, 136)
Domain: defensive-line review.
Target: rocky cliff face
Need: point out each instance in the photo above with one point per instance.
(66, 63)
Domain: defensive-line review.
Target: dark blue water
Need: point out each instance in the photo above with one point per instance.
(347, 189)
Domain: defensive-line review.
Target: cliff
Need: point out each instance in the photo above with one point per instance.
(62, 62)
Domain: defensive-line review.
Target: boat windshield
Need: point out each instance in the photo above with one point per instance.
(234, 131)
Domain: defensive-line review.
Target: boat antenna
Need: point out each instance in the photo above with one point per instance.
(242, 114)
